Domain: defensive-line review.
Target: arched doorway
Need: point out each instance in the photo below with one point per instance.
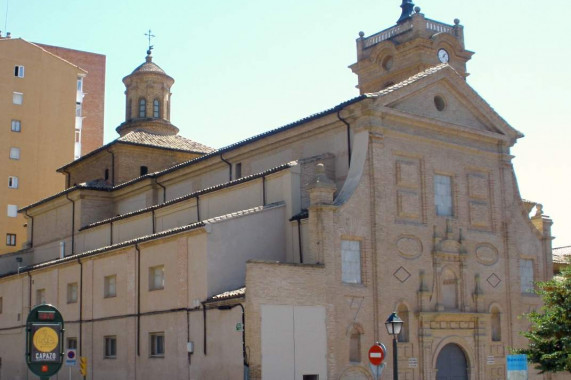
(451, 363)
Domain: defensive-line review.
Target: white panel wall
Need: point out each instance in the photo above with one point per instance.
(294, 342)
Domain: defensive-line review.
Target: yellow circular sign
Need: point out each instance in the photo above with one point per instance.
(45, 339)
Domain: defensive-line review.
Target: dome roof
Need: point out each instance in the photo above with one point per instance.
(149, 67)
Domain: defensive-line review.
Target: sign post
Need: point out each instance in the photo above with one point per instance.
(44, 341)
(377, 354)
(516, 367)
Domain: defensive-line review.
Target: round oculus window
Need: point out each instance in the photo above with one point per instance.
(439, 103)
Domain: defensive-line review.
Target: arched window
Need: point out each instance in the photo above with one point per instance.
(156, 109)
(355, 346)
(402, 312)
(142, 107)
(449, 287)
(496, 325)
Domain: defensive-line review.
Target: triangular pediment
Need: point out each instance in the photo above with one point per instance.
(443, 96)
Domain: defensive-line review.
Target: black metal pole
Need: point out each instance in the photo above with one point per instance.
(395, 359)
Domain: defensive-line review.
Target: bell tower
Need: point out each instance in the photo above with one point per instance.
(411, 46)
(148, 100)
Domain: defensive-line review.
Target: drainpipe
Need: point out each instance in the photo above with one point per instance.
(138, 299)
(32, 228)
(229, 166)
(229, 307)
(80, 305)
(112, 166)
(299, 240)
(204, 327)
(197, 208)
(164, 189)
(264, 190)
(29, 291)
(72, 223)
(348, 137)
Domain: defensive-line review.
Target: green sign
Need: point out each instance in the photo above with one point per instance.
(44, 341)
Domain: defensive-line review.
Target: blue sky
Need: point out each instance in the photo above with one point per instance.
(244, 67)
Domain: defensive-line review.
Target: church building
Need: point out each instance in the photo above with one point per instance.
(282, 255)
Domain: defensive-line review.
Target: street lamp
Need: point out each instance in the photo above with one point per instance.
(394, 325)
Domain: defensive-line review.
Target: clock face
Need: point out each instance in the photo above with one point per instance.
(443, 56)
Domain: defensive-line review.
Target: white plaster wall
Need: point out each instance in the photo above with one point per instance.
(232, 243)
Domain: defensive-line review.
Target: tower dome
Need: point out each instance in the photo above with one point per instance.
(147, 95)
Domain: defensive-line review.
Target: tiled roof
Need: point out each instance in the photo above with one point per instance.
(562, 255)
(148, 67)
(142, 239)
(230, 294)
(164, 141)
(411, 80)
(188, 196)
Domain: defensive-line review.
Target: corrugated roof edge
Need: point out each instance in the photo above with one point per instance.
(66, 191)
(191, 195)
(227, 295)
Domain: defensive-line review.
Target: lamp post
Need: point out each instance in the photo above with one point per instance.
(394, 325)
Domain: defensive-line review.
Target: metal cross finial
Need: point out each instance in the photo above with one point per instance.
(150, 35)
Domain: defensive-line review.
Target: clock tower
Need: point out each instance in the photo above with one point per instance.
(411, 46)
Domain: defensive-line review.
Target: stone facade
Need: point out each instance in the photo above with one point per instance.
(282, 255)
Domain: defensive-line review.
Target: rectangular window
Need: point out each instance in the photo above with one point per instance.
(12, 211)
(17, 98)
(110, 347)
(110, 283)
(80, 84)
(157, 277)
(19, 71)
(16, 126)
(526, 275)
(1, 302)
(14, 153)
(11, 240)
(351, 261)
(157, 341)
(443, 195)
(238, 170)
(72, 292)
(12, 182)
(40, 296)
(71, 343)
(78, 109)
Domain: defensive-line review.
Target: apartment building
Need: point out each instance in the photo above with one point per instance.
(47, 121)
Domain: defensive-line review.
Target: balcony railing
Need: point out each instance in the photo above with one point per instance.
(386, 34)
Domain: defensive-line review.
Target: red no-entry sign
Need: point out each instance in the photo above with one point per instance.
(376, 354)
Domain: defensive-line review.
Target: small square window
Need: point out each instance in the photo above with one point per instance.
(11, 240)
(19, 71)
(71, 343)
(13, 182)
(110, 347)
(14, 153)
(157, 341)
(157, 277)
(12, 211)
(16, 126)
(110, 283)
(17, 98)
(72, 292)
(40, 296)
